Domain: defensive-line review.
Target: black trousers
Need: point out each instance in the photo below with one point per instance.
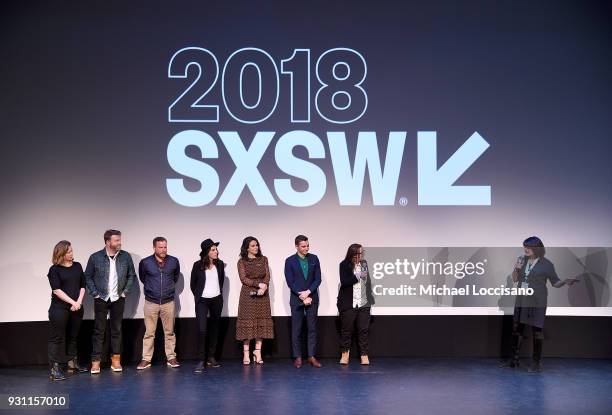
(297, 319)
(101, 310)
(210, 326)
(348, 318)
(63, 332)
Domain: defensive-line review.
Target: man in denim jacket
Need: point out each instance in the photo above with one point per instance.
(109, 276)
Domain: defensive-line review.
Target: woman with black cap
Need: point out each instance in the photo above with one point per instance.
(207, 276)
(532, 270)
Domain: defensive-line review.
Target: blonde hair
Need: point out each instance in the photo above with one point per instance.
(59, 252)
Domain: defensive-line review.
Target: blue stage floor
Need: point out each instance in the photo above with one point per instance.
(388, 386)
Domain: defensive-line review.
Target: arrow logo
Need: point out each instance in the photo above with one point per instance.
(435, 186)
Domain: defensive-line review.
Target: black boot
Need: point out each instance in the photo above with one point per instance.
(536, 364)
(514, 361)
(56, 372)
(75, 367)
(200, 367)
(536, 367)
(212, 362)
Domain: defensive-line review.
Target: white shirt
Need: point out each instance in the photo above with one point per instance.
(359, 288)
(113, 280)
(211, 287)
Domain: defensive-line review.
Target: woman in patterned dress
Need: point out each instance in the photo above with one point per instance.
(254, 313)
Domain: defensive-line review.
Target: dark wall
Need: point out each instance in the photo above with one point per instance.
(407, 336)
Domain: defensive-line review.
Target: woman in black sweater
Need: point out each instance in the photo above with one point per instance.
(354, 301)
(67, 283)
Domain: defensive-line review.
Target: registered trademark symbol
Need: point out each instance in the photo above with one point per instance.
(403, 201)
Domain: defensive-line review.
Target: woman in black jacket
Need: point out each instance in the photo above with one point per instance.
(207, 276)
(354, 302)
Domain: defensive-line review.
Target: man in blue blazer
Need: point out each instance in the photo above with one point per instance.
(303, 276)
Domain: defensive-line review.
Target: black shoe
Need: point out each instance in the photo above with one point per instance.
(56, 372)
(512, 363)
(74, 366)
(199, 367)
(535, 367)
(212, 362)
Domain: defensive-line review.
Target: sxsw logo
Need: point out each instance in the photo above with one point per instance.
(435, 179)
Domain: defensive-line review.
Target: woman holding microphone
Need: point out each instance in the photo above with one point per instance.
(533, 271)
(354, 301)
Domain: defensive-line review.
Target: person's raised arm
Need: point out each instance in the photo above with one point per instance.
(555, 281)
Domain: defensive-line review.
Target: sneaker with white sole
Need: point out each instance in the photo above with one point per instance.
(144, 364)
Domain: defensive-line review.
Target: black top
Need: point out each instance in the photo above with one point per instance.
(347, 280)
(541, 273)
(198, 278)
(68, 279)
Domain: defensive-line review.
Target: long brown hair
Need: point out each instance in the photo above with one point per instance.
(59, 252)
(352, 250)
(244, 254)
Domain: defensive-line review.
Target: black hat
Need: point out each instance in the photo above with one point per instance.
(206, 245)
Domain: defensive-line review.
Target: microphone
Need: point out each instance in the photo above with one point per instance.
(364, 269)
